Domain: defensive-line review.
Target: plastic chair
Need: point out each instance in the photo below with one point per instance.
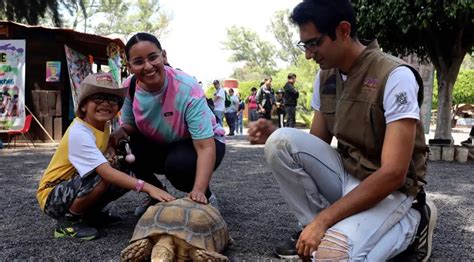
(24, 132)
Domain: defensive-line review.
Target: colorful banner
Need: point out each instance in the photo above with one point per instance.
(78, 68)
(53, 71)
(12, 84)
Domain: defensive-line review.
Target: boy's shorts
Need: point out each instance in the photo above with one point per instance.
(63, 194)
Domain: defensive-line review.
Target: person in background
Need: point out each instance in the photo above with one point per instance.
(231, 112)
(239, 124)
(364, 201)
(291, 100)
(468, 141)
(265, 99)
(219, 101)
(280, 107)
(79, 181)
(252, 105)
(171, 128)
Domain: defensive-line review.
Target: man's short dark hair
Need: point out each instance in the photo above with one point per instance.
(325, 15)
(253, 89)
(291, 75)
(215, 82)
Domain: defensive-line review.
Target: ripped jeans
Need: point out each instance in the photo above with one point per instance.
(310, 174)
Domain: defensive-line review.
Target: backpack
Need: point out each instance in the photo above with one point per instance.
(228, 101)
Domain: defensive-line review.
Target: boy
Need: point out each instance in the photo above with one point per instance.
(79, 180)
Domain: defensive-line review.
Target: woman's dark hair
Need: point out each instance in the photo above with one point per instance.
(138, 37)
(325, 15)
(253, 89)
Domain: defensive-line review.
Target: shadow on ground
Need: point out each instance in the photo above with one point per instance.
(248, 196)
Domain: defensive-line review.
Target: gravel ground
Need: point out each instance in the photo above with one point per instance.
(248, 196)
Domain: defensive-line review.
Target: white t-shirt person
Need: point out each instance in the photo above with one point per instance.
(400, 99)
(219, 100)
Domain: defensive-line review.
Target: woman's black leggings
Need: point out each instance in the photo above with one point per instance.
(177, 161)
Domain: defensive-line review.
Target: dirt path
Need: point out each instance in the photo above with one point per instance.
(249, 199)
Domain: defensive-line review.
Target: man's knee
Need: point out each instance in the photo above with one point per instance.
(278, 140)
(333, 246)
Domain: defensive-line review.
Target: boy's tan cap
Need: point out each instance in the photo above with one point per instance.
(99, 83)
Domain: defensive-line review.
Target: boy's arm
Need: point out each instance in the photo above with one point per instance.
(120, 179)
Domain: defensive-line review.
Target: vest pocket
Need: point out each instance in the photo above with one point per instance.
(328, 109)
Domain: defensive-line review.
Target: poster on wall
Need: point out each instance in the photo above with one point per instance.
(53, 71)
(12, 84)
(78, 67)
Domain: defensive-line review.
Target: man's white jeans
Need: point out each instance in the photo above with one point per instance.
(310, 174)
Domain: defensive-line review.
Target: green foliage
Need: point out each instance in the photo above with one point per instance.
(284, 33)
(247, 47)
(424, 27)
(463, 89)
(31, 11)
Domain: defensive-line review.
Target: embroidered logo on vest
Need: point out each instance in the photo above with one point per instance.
(370, 84)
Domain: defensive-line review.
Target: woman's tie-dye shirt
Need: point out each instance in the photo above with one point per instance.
(178, 111)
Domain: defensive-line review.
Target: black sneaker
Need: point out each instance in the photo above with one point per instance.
(420, 249)
(287, 248)
(101, 218)
(467, 142)
(147, 201)
(67, 228)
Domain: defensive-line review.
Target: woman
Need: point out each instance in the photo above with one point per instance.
(172, 130)
(252, 105)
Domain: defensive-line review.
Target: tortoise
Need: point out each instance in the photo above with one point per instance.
(179, 230)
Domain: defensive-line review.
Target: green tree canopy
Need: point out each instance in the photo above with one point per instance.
(440, 31)
(247, 47)
(31, 11)
(284, 32)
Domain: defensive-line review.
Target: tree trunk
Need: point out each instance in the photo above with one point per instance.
(446, 78)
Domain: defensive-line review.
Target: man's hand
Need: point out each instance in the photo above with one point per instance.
(260, 130)
(115, 137)
(310, 238)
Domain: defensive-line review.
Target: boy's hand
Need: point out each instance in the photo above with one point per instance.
(160, 195)
(198, 196)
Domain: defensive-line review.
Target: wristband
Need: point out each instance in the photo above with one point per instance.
(139, 186)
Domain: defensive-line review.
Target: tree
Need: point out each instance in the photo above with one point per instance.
(439, 31)
(283, 30)
(31, 11)
(247, 47)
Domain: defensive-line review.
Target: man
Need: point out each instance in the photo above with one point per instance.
(219, 101)
(291, 99)
(265, 99)
(370, 102)
(231, 112)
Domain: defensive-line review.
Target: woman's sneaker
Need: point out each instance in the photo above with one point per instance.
(68, 228)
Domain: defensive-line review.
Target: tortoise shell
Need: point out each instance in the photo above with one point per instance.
(199, 225)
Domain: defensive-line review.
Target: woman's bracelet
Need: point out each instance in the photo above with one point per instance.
(139, 186)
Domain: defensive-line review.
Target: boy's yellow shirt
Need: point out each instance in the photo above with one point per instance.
(60, 169)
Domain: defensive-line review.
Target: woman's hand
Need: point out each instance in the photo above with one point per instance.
(260, 130)
(198, 196)
(160, 194)
(115, 137)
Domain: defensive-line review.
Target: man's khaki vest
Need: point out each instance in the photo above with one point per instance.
(354, 114)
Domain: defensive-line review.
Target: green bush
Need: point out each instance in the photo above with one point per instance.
(463, 91)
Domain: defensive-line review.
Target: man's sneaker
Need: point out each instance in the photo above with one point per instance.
(420, 249)
(146, 203)
(67, 228)
(100, 218)
(467, 142)
(287, 248)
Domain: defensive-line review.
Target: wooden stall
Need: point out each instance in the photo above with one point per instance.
(51, 102)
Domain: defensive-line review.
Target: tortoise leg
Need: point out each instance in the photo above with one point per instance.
(139, 250)
(163, 250)
(205, 255)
